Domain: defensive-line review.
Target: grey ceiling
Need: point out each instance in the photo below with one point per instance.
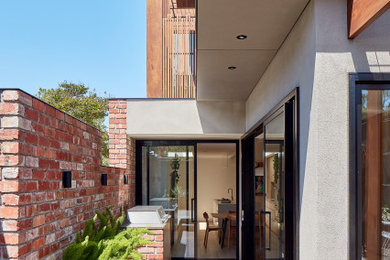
(265, 22)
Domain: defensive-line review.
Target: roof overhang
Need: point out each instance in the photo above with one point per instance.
(265, 23)
(185, 119)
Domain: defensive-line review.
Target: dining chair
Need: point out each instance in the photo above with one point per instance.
(209, 228)
(231, 227)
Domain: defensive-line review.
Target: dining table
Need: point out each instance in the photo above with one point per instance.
(226, 217)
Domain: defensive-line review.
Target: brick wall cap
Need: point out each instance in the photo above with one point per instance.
(18, 89)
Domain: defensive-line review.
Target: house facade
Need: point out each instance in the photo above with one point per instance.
(280, 152)
(304, 81)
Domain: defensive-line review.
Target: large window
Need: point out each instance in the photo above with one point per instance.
(375, 168)
(370, 172)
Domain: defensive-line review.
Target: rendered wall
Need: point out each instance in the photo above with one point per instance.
(185, 118)
(317, 57)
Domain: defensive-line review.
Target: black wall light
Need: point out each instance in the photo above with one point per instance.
(67, 179)
(232, 67)
(126, 179)
(104, 179)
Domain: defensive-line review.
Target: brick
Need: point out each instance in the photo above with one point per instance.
(38, 174)
(44, 163)
(10, 173)
(43, 185)
(9, 134)
(16, 95)
(12, 238)
(10, 160)
(31, 114)
(11, 109)
(10, 147)
(32, 161)
(31, 138)
(44, 207)
(38, 128)
(9, 212)
(44, 141)
(10, 199)
(9, 225)
(9, 186)
(33, 256)
(51, 111)
(38, 105)
(38, 243)
(60, 115)
(31, 186)
(16, 122)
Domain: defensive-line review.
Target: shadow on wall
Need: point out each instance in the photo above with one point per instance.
(221, 117)
(335, 57)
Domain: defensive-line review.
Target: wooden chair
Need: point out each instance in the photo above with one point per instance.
(231, 228)
(209, 228)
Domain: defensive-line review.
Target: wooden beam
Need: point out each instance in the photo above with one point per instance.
(362, 13)
(154, 17)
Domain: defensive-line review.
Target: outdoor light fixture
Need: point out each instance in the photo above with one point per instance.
(104, 179)
(126, 179)
(232, 68)
(67, 179)
(242, 37)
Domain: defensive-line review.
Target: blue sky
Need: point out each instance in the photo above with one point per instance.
(101, 43)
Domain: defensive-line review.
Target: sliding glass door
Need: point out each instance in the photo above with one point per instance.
(168, 179)
(196, 183)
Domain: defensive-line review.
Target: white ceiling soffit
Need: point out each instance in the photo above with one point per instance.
(266, 24)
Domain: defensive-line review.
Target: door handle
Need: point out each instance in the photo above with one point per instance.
(269, 228)
(192, 210)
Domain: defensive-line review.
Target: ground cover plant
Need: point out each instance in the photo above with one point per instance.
(107, 240)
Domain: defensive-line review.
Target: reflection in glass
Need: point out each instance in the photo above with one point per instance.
(269, 199)
(168, 173)
(375, 155)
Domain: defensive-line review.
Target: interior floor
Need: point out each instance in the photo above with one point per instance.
(185, 246)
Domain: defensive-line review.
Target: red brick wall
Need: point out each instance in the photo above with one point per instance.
(121, 146)
(39, 217)
(156, 249)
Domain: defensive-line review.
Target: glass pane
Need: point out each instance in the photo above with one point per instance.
(260, 193)
(217, 196)
(185, 226)
(274, 188)
(375, 148)
(171, 174)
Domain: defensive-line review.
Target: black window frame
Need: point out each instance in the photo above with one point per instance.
(189, 142)
(357, 83)
(292, 249)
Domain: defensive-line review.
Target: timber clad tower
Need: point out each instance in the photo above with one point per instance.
(171, 49)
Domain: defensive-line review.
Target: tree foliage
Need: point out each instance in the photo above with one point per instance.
(82, 103)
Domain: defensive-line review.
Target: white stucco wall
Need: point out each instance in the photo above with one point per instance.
(317, 57)
(185, 119)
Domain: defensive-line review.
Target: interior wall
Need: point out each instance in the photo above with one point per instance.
(215, 175)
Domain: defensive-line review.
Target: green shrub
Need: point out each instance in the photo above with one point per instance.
(107, 241)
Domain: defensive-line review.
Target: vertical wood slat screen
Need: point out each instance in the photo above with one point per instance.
(179, 57)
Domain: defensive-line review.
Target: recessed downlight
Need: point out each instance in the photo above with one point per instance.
(242, 37)
(232, 67)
